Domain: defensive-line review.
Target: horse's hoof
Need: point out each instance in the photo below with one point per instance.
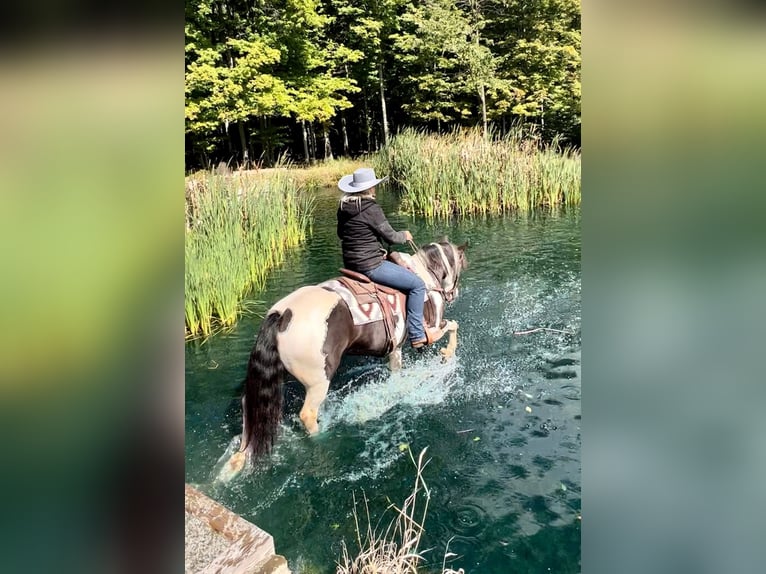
(237, 461)
(233, 466)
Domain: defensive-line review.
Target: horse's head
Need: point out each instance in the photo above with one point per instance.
(445, 261)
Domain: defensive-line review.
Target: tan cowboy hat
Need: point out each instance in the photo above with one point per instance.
(361, 179)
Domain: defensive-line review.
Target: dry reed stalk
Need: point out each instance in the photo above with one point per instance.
(396, 549)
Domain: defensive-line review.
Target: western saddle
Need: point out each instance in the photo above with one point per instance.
(366, 291)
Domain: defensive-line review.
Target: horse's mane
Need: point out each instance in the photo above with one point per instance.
(433, 260)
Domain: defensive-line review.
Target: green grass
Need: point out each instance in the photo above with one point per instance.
(238, 227)
(464, 174)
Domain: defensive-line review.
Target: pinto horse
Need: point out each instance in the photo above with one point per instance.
(307, 332)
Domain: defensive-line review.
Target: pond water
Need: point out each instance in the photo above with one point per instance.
(501, 420)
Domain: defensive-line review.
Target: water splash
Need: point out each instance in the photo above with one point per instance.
(423, 382)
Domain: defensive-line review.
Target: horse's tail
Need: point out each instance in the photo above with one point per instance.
(262, 396)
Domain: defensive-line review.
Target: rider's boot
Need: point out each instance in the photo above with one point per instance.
(432, 334)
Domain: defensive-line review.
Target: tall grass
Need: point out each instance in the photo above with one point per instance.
(463, 173)
(238, 227)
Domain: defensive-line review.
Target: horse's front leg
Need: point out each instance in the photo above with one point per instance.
(449, 351)
(436, 333)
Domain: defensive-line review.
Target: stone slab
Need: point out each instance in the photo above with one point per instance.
(218, 541)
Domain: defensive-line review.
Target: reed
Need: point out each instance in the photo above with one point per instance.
(463, 173)
(238, 227)
(394, 550)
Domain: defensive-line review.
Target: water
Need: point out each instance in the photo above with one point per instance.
(504, 482)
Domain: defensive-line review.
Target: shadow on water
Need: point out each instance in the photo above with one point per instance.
(502, 420)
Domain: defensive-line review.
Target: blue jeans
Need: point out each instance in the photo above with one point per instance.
(396, 276)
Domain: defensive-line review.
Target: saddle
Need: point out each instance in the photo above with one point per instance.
(370, 302)
(368, 293)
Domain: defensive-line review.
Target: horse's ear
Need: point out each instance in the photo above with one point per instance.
(461, 249)
(443, 239)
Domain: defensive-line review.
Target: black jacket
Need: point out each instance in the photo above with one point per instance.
(361, 224)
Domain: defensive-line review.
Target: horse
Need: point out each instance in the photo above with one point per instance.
(307, 333)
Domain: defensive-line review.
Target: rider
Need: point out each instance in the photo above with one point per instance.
(361, 224)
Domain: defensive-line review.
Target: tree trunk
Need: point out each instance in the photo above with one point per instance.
(367, 127)
(343, 123)
(313, 140)
(383, 104)
(476, 8)
(228, 140)
(305, 142)
(243, 142)
(345, 133)
(264, 140)
(327, 146)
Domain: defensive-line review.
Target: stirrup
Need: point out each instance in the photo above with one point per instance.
(429, 340)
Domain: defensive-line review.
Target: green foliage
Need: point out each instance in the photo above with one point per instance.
(292, 64)
(275, 60)
(540, 43)
(219, 93)
(430, 47)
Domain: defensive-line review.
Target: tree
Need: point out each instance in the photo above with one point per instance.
(278, 63)
(224, 92)
(428, 46)
(540, 43)
(273, 73)
(447, 62)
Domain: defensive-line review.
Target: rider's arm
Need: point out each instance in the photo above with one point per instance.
(382, 227)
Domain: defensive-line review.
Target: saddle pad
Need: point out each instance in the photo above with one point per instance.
(367, 312)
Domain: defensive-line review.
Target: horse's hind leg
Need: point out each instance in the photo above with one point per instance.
(317, 380)
(395, 360)
(316, 392)
(311, 351)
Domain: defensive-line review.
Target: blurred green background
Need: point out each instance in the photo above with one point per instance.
(91, 296)
(91, 300)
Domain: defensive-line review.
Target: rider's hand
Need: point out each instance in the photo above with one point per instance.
(407, 235)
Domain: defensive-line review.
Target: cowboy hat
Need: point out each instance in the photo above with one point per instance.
(361, 179)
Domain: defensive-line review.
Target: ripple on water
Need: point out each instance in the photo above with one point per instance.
(468, 519)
